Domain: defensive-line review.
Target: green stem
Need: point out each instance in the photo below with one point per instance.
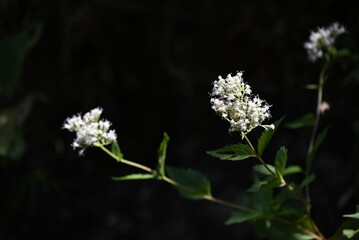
(122, 160)
(322, 78)
(259, 157)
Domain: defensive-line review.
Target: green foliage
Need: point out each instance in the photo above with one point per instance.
(350, 233)
(263, 170)
(162, 155)
(303, 121)
(135, 176)
(266, 137)
(316, 145)
(307, 181)
(13, 119)
(278, 231)
(280, 162)
(13, 51)
(238, 217)
(115, 149)
(287, 171)
(348, 229)
(311, 86)
(292, 170)
(355, 215)
(268, 183)
(191, 184)
(233, 152)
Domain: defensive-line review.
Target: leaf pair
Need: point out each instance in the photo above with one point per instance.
(160, 171)
(243, 151)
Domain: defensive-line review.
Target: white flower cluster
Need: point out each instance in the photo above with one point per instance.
(232, 99)
(90, 129)
(321, 40)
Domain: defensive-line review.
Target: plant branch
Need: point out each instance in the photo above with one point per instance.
(209, 197)
(306, 204)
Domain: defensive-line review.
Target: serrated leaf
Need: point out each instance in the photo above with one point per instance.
(233, 152)
(355, 215)
(192, 184)
(135, 176)
(238, 217)
(292, 170)
(162, 155)
(263, 170)
(303, 121)
(307, 180)
(115, 149)
(266, 137)
(317, 143)
(281, 160)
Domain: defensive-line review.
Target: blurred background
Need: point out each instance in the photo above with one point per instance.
(150, 65)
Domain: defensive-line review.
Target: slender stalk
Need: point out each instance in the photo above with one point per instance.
(133, 164)
(316, 122)
(259, 157)
(319, 102)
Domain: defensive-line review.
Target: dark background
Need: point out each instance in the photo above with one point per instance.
(150, 65)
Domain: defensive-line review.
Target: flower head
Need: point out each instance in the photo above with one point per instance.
(321, 40)
(232, 99)
(90, 129)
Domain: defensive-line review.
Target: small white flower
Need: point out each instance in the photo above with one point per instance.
(232, 99)
(323, 39)
(90, 130)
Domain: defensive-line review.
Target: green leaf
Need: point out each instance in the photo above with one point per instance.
(266, 137)
(115, 149)
(281, 160)
(162, 155)
(263, 170)
(307, 181)
(303, 121)
(262, 201)
(355, 215)
(233, 152)
(288, 211)
(301, 236)
(317, 143)
(238, 217)
(192, 184)
(292, 170)
(270, 182)
(135, 176)
(349, 233)
(311, 86)
(344, 53)
(13, 51)
(284, 194)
